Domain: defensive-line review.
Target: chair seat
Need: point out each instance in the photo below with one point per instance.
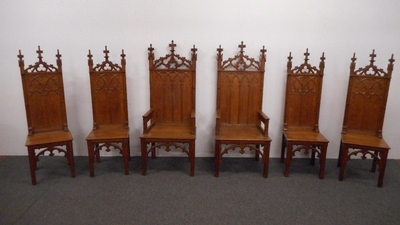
(305, 136)
(240, 133)
(362, 139)
(48, 137)
(108, 132)
(170, 131)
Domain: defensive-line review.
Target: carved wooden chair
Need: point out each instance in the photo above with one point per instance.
(364, 114)
(45, 111)
(110, 110)
(240, 122)
(170, 124)
(301, 119)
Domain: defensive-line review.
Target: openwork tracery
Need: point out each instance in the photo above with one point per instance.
(305, 68)
(242, 61)
(172, 60)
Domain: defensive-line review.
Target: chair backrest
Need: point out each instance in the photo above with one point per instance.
(366, 97)
(44, 95)
(240, 87)
(172, 87)
(303, 94)
(108, 89)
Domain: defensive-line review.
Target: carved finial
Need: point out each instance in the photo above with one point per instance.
(263, 51)
(194, 50)
(390, 66)
(58, 55)
(306, 54)
(90, 55)
(123, 55)
(106, 53)
(172, 45)
(289, 63)
(242, 46)
(353, 62)
(39, 52)
(21, 60)
(219, 50)
(322, 63)
(373, 55)
(150, 48)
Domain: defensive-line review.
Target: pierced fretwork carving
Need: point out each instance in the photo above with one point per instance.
(306, 68)
(40, 66)
(241, 61)
(371, 69)
(172, 60)
(168, 146)
(107, 65)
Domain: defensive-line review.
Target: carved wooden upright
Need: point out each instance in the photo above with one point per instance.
(170, 123)
(302, 104)
(240, 123)
(110, 110)
(364, 114)
(45, 111)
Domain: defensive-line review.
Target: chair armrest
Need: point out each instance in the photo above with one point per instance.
(217, 121)
(193, 122)
(148, 116)
(265, 120)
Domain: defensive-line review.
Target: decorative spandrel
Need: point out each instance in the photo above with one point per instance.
(371, 69)
(172, 61)
(107, 65)
(241, 61)
(40, 66)
(306, 68)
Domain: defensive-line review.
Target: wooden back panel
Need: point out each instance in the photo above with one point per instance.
(108, 90)
(303, 95)
(240, 87)
(172, 87)
(44, 95)
(366, 98)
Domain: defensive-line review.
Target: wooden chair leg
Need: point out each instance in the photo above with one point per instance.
(217, 158)
(143, 146)
(32, 164)
(257, 156)
(374, 162)
(312, 161)
(125, 152)
(288, 161)
(153, 151)
(265, 159)
(192, 156)
(70, 156)
(343, 160)
(322, 160)
(91, 154)
(283, 148)
(340, 154)
(382, 166)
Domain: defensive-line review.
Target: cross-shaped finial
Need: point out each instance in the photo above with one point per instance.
(323, 57)
(290, 57)
(219, 50)
(306, 54)
(20, 56)
(58, 55)
(90, 55)
(39, 52)
(263, 50)
(373, 55)
(242, 46)
(353, 59)
(150, 48)
(106, 53)
(194, 49)
(172, 45)
(391, 60)
(123, 54)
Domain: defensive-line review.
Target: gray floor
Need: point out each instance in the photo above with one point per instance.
(168, 195)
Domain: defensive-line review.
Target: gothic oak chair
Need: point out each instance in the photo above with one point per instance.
(302, 106)
(110, 110)
(240, 123)
(45, 111)
(170, 122)
(364, 114)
